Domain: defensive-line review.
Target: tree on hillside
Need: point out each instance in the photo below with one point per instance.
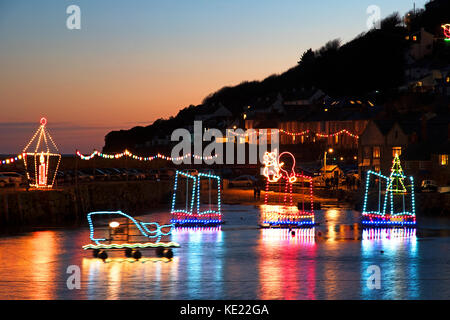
(307, 58)
(329, 48)
(391, 22)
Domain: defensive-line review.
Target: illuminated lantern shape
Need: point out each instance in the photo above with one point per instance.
(41, 158)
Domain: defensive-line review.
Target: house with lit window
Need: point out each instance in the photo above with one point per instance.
(323, 121)
(382, 140)
(421, 44)
(428, 159)
(443, 86)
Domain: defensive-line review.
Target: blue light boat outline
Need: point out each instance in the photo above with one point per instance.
(131, 248)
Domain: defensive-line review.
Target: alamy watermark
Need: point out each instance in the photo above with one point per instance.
(234, 142)
(374, 280)
(73, 21)
(374, 19)
(74, 280)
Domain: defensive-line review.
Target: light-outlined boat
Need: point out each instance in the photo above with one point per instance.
(116, 230)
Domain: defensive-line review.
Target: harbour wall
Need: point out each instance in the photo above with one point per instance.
(70, 204)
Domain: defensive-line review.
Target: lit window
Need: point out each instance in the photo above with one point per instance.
(396, 151)
(376, 153)
(443, 159)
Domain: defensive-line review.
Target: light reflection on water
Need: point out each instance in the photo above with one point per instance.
(279, 274)
(395, 252)
(237, 261)
(205, 249)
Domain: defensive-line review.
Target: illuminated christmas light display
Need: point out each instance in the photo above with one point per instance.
(396, 180)
(305, 132)
(395, 189)
(124, 231)
(446, 28)
(285, 214)
(11, 160)
(127, 153)
(41, 158)
(344, 131)
(192, 215)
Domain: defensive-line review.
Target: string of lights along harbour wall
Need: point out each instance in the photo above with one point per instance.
(127, 153)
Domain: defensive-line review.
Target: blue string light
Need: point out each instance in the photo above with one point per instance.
(141, 226)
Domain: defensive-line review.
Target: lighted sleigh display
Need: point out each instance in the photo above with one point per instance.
(396, 203)
(41, 158)
(279, 210)
(194, 211)
(115, 230)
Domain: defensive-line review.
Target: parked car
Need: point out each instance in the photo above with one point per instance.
(242, 181)
(101, 175)
(116, 174)
(429, 186)
(85, 176)
(166, 174)
(60, 177)
(136, 174)
(13, 178)
(153, 175)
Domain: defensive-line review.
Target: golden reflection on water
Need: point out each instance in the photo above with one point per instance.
(116, 274)
(41, 249)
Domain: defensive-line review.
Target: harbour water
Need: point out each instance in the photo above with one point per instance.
(239, 261)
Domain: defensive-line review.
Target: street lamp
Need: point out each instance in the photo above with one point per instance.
(325, 159)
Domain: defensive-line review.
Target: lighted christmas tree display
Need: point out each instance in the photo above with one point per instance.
(41, 158)
(396, 179)
(396, 203)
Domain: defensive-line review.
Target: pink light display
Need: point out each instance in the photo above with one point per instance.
(285, 213)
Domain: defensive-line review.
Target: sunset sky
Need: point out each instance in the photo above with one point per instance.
(138, 60)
